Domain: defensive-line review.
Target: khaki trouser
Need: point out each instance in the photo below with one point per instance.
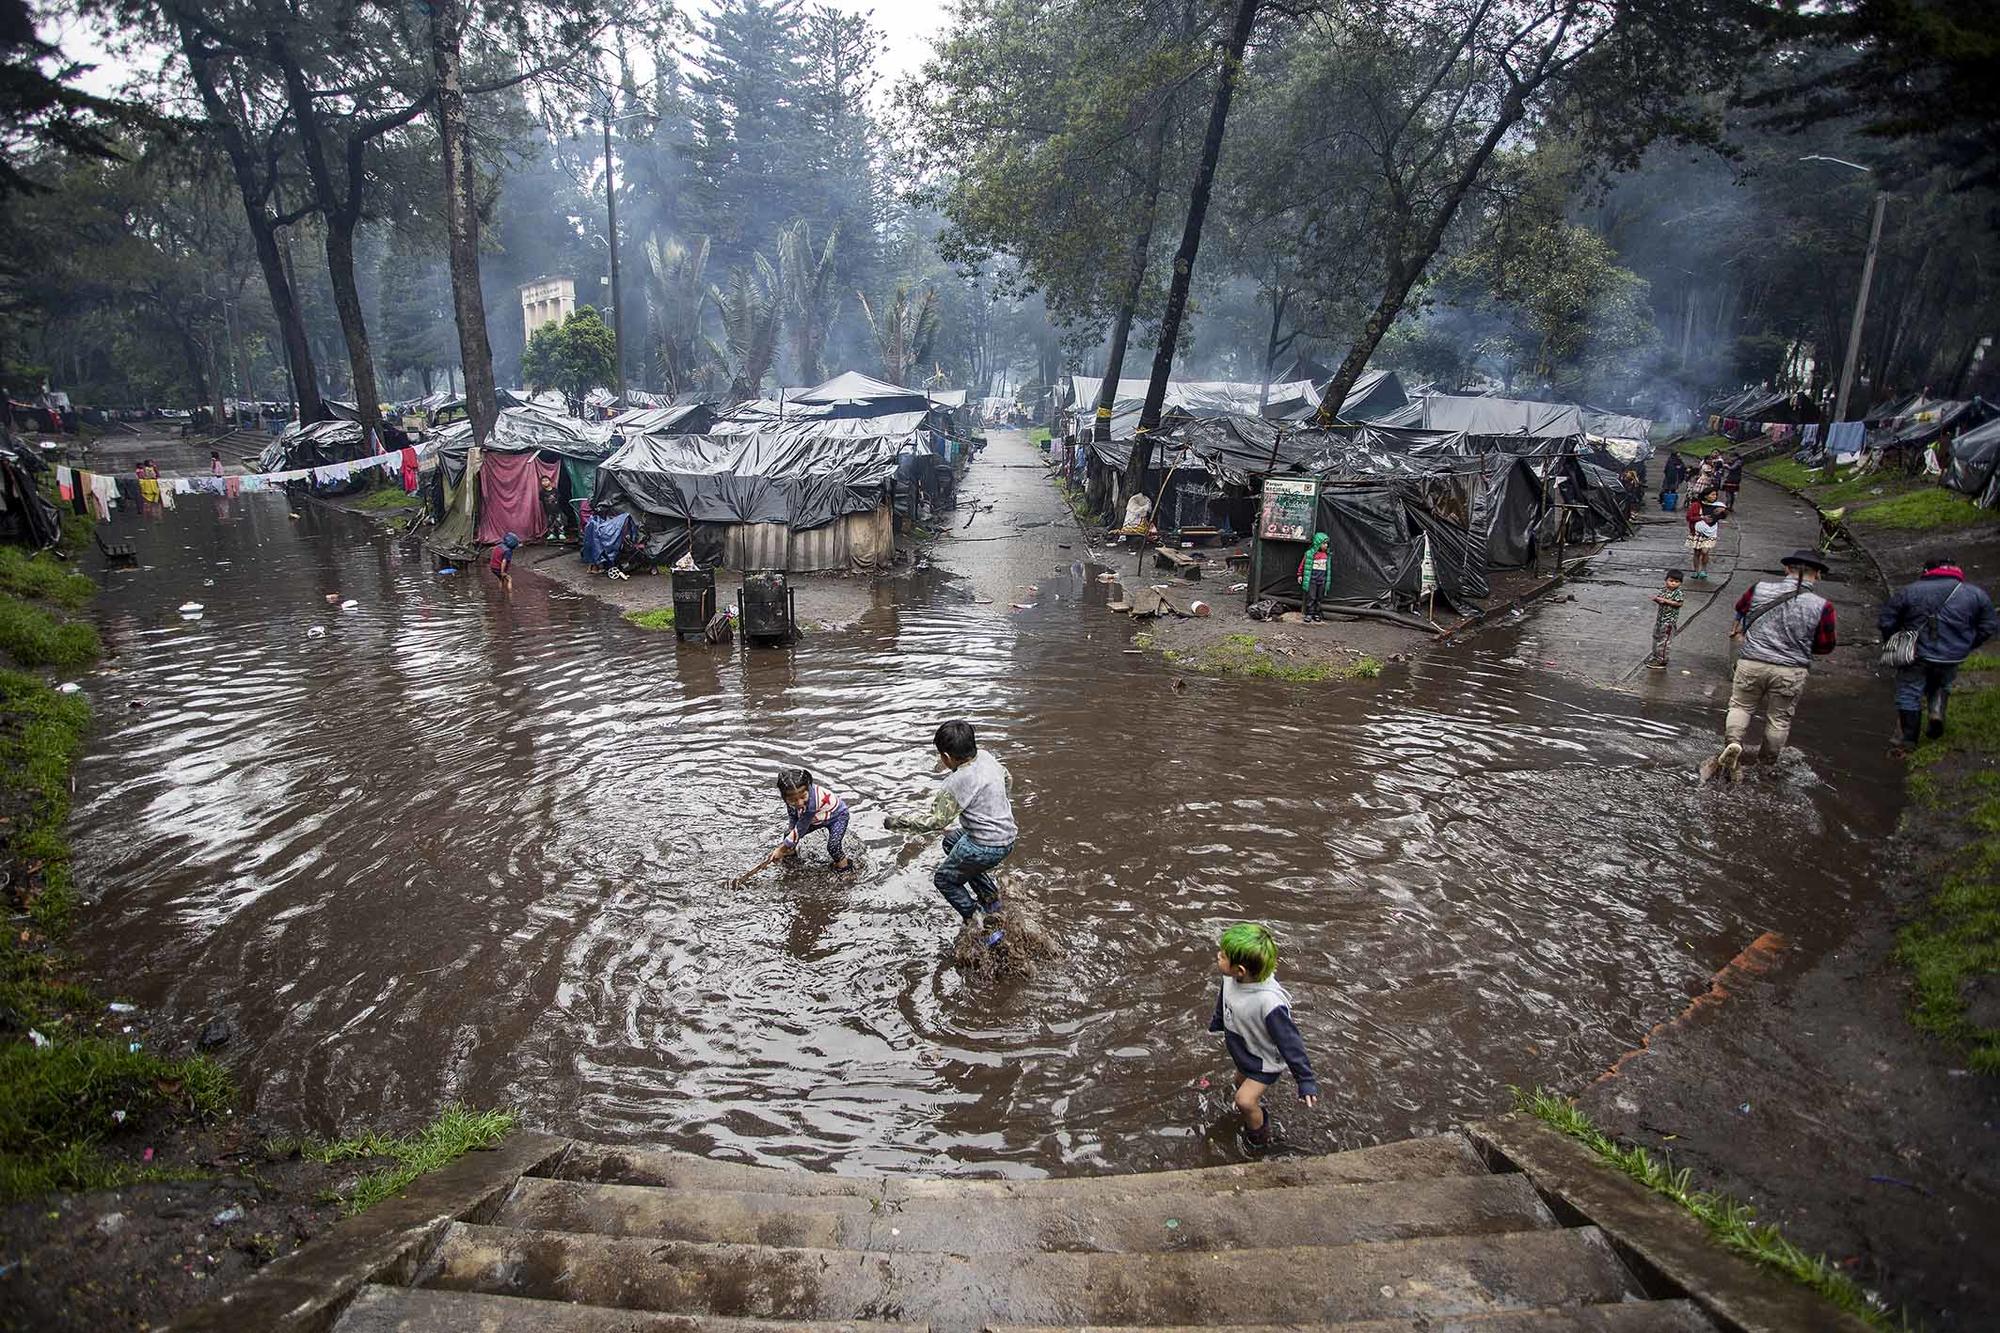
(1775, 689)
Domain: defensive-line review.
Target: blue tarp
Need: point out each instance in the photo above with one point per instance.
(603, 538)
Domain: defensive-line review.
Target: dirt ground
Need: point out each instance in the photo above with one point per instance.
(138, 1257)
(1808, 1093)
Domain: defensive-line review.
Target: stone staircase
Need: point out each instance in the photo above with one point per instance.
(1435, 1234)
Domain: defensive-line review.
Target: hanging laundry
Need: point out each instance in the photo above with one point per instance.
(1846, 438)
(166, 495)
(65, 482)
(233, 486)
(1808, 435)
(409, 460)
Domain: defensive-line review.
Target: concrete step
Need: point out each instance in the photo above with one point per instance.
(1218, 1218)
(1440, 1276)
(415, 1310)
(1408, 1159)
(1626, 1317)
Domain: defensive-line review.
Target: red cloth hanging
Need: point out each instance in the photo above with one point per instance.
(510, 497)
(410, 471)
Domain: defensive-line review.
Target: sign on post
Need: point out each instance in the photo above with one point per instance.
(1290, 509)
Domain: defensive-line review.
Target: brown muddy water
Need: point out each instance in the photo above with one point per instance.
(475, 846)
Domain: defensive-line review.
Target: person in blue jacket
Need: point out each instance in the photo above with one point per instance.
(1254, 1015)
(1952, 618)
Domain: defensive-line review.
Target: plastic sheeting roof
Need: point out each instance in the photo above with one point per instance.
(851, 387)
(666, 419)
(758, 478)
(1490, 416)
(1197, 397)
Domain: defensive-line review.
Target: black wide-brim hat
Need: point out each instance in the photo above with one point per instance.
(1810, 559)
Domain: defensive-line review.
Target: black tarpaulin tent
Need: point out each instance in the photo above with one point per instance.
(1975, 464)
(1518, 417)
(1377, 532)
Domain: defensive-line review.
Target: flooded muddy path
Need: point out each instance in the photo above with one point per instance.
(473, 845)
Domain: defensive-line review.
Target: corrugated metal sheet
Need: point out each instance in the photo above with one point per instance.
(857, 542)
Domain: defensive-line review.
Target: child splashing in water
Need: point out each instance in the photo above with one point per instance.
(1254, 1015)
(809, 807)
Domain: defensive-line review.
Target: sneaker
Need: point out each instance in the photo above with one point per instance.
(844, 866)
(993, 940)
(1260, 1139)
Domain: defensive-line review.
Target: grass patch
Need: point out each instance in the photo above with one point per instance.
(1039, 435)
(1703, 446)
(41, 738)
(57, 1104)
(34, 638)
(1733, 1224)
(454, 1133)
(1789, 473)
(1955, 944)
(384, 497)
(1932, 508)
(1074, 496)
(1243, 655)
(658, 618)
(42, 577)
(1861, 490)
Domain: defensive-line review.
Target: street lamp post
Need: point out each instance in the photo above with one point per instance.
(1867, 278)
(611, 237)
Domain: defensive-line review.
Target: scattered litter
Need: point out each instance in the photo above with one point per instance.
(118, 1117)
(1024, 606)
(134, 1047)
(1107, 578)
(216, 1033)
(316, 632)
(233, 1213)
(1173, 1224)
(119, 1007)
(349, 604)
(1388, 1290)
(1743, 1109)
(1904, 1184)
(208, 583)
(41, 1042)
(69, 687)
(1062, 546)
(1133, 652)
(333, 597)
(190, 606)
(1201, 1083)
(982, 601)
(291, 515)
(110, 1224)
(1198, 609)
(135, 705)
(448, 569)
(1239, 587)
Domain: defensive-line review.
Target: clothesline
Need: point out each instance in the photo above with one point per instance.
(100, 490)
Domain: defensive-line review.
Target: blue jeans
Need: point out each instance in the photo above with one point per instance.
(961, 877)
(1921, 682)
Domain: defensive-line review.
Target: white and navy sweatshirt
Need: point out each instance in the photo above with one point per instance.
(1255, 1020)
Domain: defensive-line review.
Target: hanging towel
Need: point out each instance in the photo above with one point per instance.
(409, 471)
(65, 483)
(103, 494)
(166, 495)
(232, 486)
(1807, 435)
(80, 502)
(1845, 438)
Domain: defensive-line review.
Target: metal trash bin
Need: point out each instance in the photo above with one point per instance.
(764, 607)
(694, 601)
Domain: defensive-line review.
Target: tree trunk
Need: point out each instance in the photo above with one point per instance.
(1135, 275)
(263, 230)
(1404, 270)
(1280, 298)
(1177, 292)
(462, 234)
(342, 215)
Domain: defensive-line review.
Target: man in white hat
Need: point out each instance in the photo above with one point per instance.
(1781, 625)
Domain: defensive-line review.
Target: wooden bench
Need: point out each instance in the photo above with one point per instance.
(114, 547)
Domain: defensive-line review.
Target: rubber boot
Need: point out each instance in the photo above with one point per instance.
(1937, 717)
(1912, 720)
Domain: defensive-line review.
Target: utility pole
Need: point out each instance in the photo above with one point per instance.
(617, 306)
(1867, 278)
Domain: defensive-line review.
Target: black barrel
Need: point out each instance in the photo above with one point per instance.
(765, 606)
(694, 601)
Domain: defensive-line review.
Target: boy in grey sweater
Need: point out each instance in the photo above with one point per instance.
(974, 796)
(1254, 1015)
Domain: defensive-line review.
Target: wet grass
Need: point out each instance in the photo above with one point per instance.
(1953, 948)
(384, 497)
(1703, 446)
(41, 738)
(456, 1132)
(42, 577)
(1931, 509)
(1243, 655)
(1039, 435)
(1789, 473)
(58, 1102)
(658, 618)
(1077, 500)
(1733, 1224)
(33, 637)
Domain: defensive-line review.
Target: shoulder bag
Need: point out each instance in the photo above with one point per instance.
(1900, 649)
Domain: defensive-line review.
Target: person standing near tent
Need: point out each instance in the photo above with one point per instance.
(1315, 576)
(1946, 620)
(1732, 479)
(1671, 476)
(1781, 625)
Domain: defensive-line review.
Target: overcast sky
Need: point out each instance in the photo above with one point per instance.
(907, 28)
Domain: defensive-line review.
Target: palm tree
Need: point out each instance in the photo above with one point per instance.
(904, 330)
(751, 311)
(812, 302)
(678, 297)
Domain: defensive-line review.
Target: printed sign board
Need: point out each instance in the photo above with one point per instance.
(1289, 509)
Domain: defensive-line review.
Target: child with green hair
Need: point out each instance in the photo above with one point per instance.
(1254, 1015)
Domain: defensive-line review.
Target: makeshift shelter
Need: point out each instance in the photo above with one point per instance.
(1974, 469)
(695, 418)
(1496, 417)
(527, 444)
(759, 501)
